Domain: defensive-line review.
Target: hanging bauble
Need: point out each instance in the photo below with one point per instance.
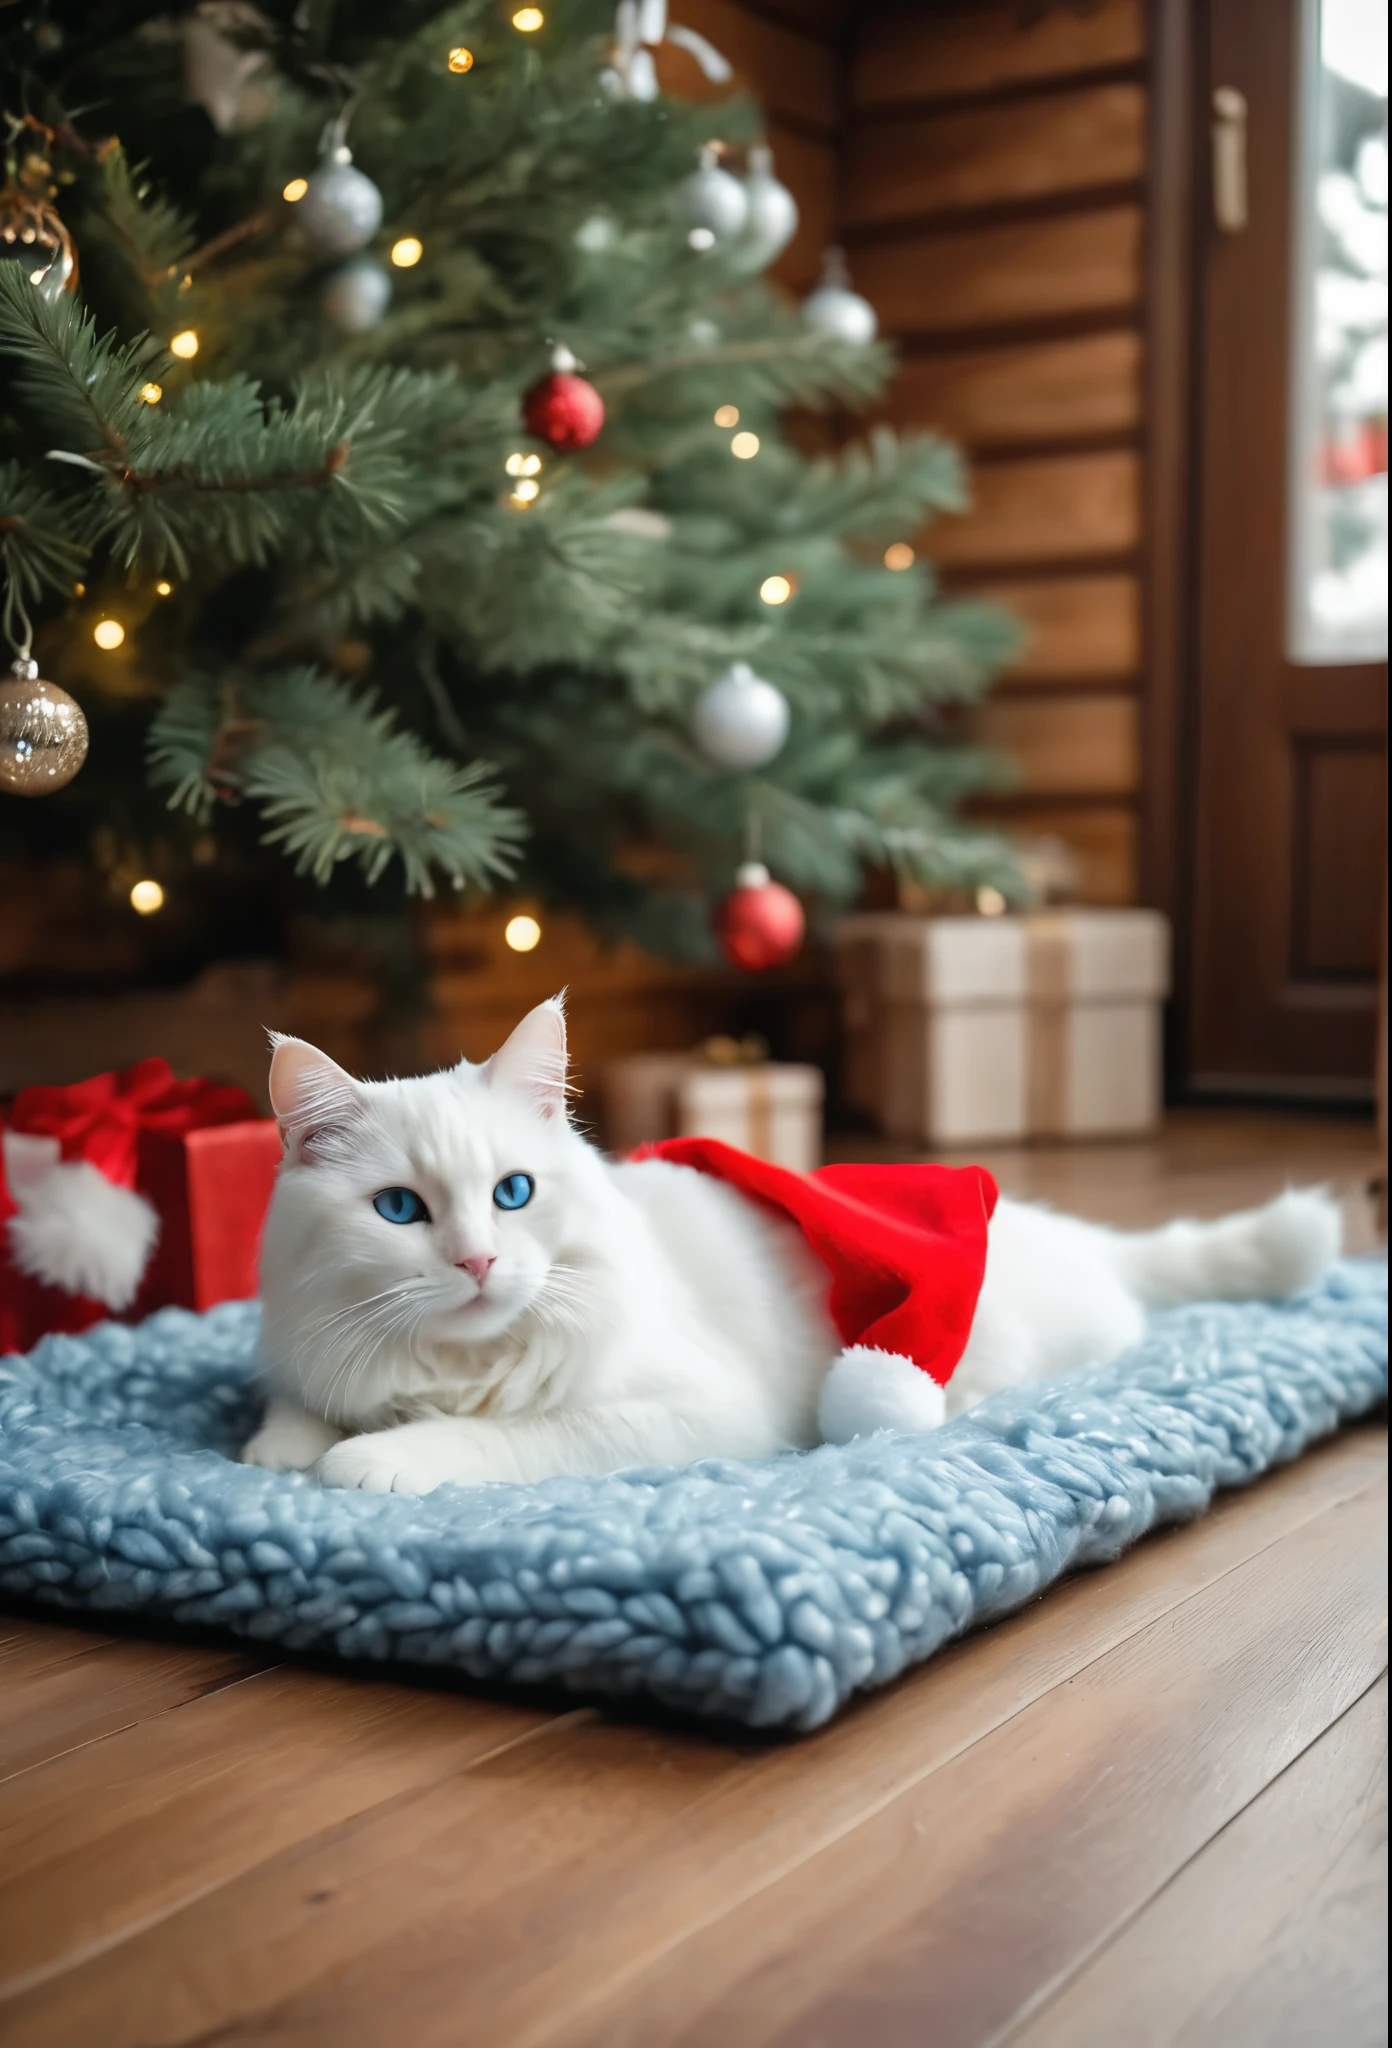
(341, 208)
(772, 214)
(43, 734)
(32, 232)
(760, 923)
(356, 295)
(834, 310)
(740, 721)
(562, 409)
(711, 202)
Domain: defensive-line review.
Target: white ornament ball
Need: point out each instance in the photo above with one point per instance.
(341, 209)
(771, 212)
(741, 721)
(841, 315)
(356, 295)
(712, 200)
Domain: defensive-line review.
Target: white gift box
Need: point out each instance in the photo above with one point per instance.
(769, 1108)
(962, 1030)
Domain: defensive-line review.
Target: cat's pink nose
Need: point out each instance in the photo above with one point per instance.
(478, 1263)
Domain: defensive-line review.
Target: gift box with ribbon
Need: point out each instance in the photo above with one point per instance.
(726, 1088)
(964, 1030)
(126, 1193)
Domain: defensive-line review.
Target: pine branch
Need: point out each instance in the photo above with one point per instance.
(39, 552)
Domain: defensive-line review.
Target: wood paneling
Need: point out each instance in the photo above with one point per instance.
(1060, 143)
(910, 55)
(959, 279)
(1341, 840)
(1075, 626)
(1080, 746)
(1049, 509)
(808, 169)
(788, 72)
(1045, 391)
(1102, 838)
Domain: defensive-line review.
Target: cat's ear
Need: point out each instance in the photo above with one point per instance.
(310, 1093)
(533, 1060)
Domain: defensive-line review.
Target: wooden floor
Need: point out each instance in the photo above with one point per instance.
(1150, 1809)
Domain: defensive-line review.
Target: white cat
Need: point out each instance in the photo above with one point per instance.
(458, 1287)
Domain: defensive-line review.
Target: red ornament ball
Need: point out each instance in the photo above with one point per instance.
(760, 923)
(564, 411)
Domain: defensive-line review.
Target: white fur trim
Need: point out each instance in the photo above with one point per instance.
(79, 1231)
(868, 1389)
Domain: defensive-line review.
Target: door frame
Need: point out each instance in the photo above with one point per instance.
(1178, 203)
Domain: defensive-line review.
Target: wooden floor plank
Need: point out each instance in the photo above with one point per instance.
(537, 1881)
(938, 1918)
(78, 1699)
(30, 1646)
(1275, 1933)
(113, 1837)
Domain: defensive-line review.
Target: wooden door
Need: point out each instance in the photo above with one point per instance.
(1288, 820)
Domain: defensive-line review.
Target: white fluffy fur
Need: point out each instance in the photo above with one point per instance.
(76, 1230)
(633, 1313)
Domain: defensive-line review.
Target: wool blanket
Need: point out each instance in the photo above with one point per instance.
(765, 1593)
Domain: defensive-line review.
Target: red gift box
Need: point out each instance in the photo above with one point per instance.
(198, 1153)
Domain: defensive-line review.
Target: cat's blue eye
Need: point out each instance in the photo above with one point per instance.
(514, 1191)
(400, 1205)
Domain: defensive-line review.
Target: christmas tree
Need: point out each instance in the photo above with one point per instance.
(395, 403)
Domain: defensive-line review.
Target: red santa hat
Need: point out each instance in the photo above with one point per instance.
(906, 1250)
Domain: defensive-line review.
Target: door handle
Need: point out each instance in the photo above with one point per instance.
(1229, 160)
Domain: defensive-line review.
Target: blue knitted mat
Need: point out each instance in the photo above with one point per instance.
(765, 1593)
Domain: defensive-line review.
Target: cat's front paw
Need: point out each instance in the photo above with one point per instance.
(289, 1440)
(376, 1464)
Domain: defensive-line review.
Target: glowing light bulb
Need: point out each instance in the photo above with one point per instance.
(522, 934)
(147, 897)
(163, 589)
(745, 446)
(526, 489)
(406, 253)
(775, 590)
(519, 464)
(898, 555)
(990, 902)
(460, 59)
(527, 21)
(727, 416)
(296, 189)
(108, 633)
(152, 393)
(184, 345)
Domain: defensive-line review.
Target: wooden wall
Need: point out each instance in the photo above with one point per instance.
(992, 203)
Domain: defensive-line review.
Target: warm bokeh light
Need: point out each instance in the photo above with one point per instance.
(163, 589)
(526, 489)
(407, 252)
(519, 501)
(745, 446)
(152, 393)
(296, 189)
(519, 464)
(727, 416)
(702, 238)
(522, 934)
(898, 555)
(775, 590)
(528, 20)
(147, 898)
(184, 345)
(989, 901)
(460, 59)
(108, 633)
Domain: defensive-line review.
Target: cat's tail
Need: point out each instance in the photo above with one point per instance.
(1253, 1255)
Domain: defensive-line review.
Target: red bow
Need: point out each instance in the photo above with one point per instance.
(101, 1120)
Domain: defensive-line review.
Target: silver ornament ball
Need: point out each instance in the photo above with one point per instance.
(43, 734)
(771, 212)
(711, 199)
(834, 310)
(741, 721)
(356, 295)
(341, 209)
